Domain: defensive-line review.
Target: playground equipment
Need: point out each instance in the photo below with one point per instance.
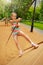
(33, 17)
(34, 1)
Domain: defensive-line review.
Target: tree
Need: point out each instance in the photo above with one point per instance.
(22, 7)
(19, 6)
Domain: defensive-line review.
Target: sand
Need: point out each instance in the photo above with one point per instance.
(9, 54)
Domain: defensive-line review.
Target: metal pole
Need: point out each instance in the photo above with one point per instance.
(33, 18)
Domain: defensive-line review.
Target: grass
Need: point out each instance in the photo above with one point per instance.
(37, 24)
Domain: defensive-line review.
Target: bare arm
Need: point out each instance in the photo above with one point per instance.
(18, 20)
(11, 21)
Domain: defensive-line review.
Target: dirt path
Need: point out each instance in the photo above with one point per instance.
(9, 53)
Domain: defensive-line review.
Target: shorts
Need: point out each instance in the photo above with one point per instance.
(16, 31)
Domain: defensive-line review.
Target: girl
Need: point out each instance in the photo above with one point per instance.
(17, 32)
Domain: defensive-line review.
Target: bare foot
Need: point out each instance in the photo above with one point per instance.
(35, 45)
(20, 53)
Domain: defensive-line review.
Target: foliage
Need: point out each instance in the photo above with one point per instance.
(41, 11)
(15, 5)
(20, 6)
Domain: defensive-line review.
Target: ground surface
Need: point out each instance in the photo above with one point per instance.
(9, 53)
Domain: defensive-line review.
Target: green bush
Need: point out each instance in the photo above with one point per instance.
(41, 11)
(37, 14)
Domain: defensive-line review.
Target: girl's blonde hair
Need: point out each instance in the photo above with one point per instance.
(13, 13)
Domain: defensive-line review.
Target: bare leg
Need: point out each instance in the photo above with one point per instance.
(27, 38)
(17, 44)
